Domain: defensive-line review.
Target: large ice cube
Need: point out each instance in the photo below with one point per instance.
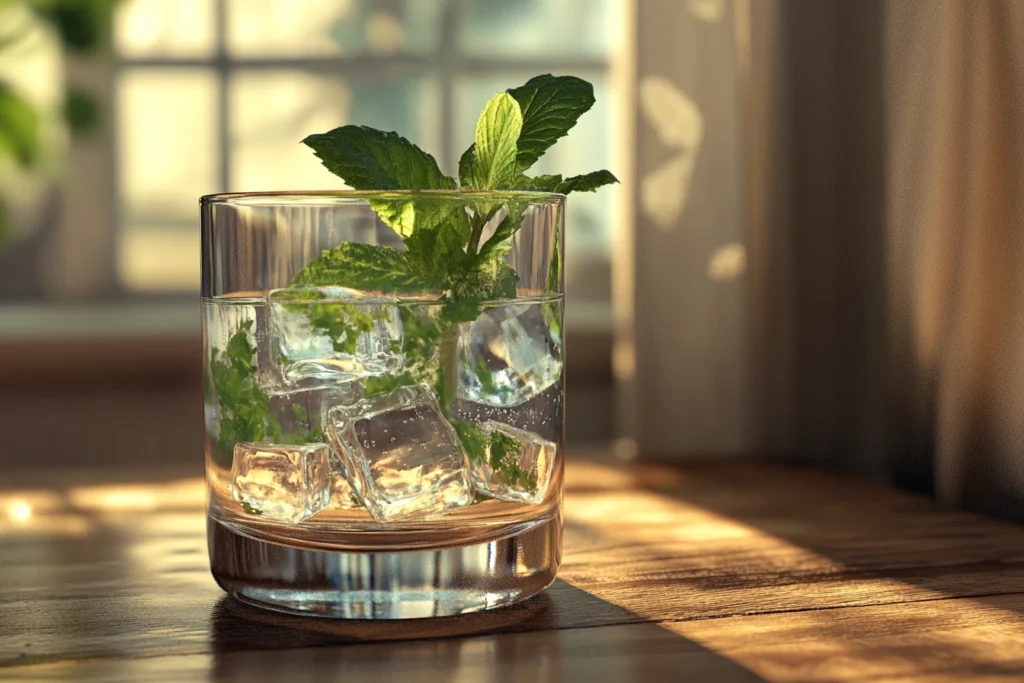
(279, 482)
(509, 354)
(507, 463)
(298, 412)
(333, 334)
(400, 454)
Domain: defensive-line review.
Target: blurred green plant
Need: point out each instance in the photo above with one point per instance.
(83, 27)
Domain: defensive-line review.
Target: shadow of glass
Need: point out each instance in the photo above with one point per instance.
(540, 639)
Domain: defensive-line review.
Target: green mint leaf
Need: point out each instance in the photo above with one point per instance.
(436, 242)
(489, 279)
(493, 163)
(371, 267)
(369, 159)
(550, 105)
(249, 509)
(501, 445)
(541, 183)
(586, 183)
(503, 450)
(243, 406)
(343, 324)
(467, 166)
(385, 384)
(473, 440)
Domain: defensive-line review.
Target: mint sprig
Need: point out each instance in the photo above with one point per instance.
(443, 251)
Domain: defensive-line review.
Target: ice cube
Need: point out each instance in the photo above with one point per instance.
(509, 464)
(279, 482)
(510, 354)
(343, 496)
(298, 412)
(400, 454)
(333, 334)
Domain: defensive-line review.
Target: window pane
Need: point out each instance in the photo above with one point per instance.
(276, 28)
(160, 258)
(164, 28)
(516, 28)
(167, 143)
(271, 111)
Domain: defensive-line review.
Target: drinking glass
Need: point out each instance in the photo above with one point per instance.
(384, 411)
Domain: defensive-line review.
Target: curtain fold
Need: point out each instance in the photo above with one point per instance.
(880, 314)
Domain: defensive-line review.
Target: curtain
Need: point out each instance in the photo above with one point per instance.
(873, 320)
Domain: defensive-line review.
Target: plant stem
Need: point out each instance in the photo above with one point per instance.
(479, 221)
(449, 351)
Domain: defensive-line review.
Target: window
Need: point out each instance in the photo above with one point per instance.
(214, 95)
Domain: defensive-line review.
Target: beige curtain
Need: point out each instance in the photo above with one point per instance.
(955, 111)
(875, 153)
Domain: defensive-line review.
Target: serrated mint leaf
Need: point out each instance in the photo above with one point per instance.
(437, 240)
(473, 440)
(550, 106)
(369, 159)
(467, 166)
(586, 183)
(541, 183)
(494, 147)
(363, 266)
(489, 279)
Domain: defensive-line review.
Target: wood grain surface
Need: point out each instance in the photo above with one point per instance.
(710, 572)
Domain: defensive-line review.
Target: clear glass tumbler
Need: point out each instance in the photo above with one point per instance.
(384, 399)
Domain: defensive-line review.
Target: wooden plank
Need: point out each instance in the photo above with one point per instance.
(964, 639)
(120, 571)
(642, 653)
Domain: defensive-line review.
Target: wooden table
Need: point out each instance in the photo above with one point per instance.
(711, 572)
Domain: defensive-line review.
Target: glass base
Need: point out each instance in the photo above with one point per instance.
(386, 585)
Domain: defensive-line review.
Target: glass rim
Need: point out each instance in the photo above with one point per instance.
(355, 196)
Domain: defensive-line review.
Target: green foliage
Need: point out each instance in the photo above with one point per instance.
(369, 159)
(473, 440)
(244, 406)
(81, 111)
(245, 410)
(341, 323)
(83, 25)
(586, 183)
(362, 266)
(500, 451)
(443, 240)
(550, 106)
(491, 162)
(503, 452)
(249, 509)
(19, 127)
